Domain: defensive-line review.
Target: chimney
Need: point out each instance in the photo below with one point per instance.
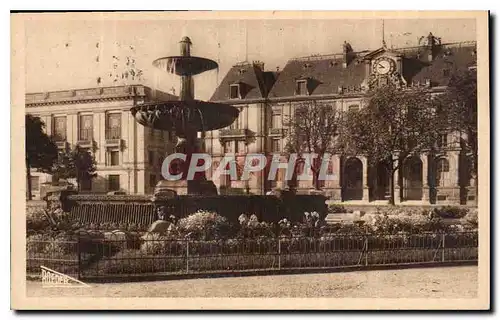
(431, 45)
(259, 64)
(347, 54)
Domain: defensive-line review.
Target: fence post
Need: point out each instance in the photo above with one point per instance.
(187, 255)
(442, 245)
(366, 248)
(279, 252)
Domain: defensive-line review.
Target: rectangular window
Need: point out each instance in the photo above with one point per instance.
(239, 146)
(442, 140)
(152, 180)
(301, 88)
(113, 157)
(59, 128)
(234, 91)
(151, 159)
(86, 127)
(228, 147)
(276, 122)
(35, 183)
(113, 126)
(275, 145)
(353, 107)
(113, 182)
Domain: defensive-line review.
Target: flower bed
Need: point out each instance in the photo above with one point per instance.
(205, 241)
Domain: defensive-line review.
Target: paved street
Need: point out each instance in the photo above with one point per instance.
(449, 282)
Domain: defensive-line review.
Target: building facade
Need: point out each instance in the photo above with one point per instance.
(128, 155)
(341, 80)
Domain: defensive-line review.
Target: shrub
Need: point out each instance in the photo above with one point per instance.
(40, 219)
(37, 220)
(262, 229)
(36, 243)
(60, 247)
(204, 225)
(51, 244)
(471, 219)
(451, 212)
(156, 244)
(396, 220)
(336, 208)
(134, 261)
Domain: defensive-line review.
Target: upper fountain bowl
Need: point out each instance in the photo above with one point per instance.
(185, 65)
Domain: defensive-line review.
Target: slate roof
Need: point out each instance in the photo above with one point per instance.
(256, 82)
(449, 57)
(327, 74)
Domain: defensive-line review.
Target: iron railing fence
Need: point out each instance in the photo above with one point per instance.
(120, 254)
(59, 255)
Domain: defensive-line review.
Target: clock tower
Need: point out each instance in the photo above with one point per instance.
(384, 68)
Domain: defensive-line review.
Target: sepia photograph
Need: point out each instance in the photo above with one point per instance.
(250, 160)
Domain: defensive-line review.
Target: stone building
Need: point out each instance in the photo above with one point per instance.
(128, 155)
(267, 98)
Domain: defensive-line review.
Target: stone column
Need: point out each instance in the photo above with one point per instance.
(397, 187)
(71, 129)
(425, 177)
(335, 184)
(454, 161)
(364, 161)
(100, 134)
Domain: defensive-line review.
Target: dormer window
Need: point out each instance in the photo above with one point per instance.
(446, 72)
(234, 91)
(301, 88)
(307, 65)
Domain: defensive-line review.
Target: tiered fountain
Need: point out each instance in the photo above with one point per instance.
(185, 117)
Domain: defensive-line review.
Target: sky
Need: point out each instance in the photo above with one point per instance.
(70, 54)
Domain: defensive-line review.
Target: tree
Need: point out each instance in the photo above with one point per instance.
(78, 164)
(394, 125)
(313, 129)
(41, 151)
(458, 112)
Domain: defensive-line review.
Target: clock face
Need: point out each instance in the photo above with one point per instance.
(383, 66)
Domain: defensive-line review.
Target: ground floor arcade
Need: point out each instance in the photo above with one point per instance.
(426, 178)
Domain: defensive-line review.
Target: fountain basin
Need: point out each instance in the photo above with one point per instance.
(185, 65)
(181, 116)
(138, 212)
